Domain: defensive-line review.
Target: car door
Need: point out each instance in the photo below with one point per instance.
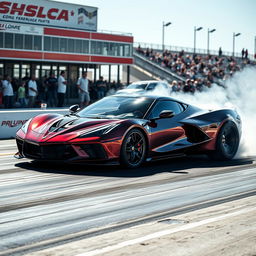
(167, 133)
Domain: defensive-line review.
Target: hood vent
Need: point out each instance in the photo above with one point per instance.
(61, 125)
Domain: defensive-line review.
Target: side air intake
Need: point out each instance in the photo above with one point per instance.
(194, 134)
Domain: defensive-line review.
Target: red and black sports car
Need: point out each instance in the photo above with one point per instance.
(130, 130)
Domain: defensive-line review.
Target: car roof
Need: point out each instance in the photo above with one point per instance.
(150, 96)
(149, 81)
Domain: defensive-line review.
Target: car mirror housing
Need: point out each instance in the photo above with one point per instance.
(162, 115)
(166, 114)
(74, 108)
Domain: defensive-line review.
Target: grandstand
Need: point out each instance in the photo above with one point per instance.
(189, 71)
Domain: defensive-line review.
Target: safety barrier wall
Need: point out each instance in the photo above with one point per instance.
(12, 120)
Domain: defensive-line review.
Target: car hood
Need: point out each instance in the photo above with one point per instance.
(64, 128)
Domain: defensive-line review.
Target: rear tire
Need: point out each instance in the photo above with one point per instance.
(227, 142)
(133, 150)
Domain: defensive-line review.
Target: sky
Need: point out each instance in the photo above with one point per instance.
(144, 19)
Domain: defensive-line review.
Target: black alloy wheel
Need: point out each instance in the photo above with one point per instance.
(133, 151)
(227, 142)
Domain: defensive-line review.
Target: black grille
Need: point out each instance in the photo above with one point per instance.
(31, 150)
(95, 151)
(48, 152)
(58, 152)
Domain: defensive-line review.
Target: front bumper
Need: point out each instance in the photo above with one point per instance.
(61, 152)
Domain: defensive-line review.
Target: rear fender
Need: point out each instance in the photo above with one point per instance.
(211, 145)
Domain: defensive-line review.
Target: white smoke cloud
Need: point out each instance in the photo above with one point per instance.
(240, 93)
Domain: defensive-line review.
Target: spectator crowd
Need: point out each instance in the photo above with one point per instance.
(197, 71)
(31, 92)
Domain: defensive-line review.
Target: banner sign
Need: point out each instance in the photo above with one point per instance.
(21, 28)
(49, 13)
(11, 121)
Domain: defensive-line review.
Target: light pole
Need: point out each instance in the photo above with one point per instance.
(164, 25)
(255, 47)
(234, 36)
(195, 30)
(208, 38)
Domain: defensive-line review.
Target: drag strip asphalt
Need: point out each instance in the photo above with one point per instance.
(44, 204)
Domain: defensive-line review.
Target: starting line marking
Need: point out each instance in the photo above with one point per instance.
(164, 233)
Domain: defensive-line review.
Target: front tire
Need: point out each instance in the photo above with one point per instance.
(227, 142)
(133, 150)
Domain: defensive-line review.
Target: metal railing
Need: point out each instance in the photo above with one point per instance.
(114, 32)
(187, 49)
(155, 68)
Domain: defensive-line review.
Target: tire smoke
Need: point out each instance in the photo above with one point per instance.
(239, 93)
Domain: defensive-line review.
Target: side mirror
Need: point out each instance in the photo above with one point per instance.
(166, 114)
(73, 109)
(162, 115)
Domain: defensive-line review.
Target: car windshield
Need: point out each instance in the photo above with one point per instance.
(151, 86)
(137, 86)
(117, 107)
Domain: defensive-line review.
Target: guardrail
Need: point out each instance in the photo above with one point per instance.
(155, 69)
(187, 49)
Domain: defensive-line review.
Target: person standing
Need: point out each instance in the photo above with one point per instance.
(246, 54)
(32, 91)
(42, 89)
(52, 84)
(7, 91)
(62, 87)
(243, 52)
(101, 88)
(83, 90)
(22, 94)
(220, 52)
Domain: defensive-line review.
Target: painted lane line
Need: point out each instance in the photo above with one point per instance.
(4, 168)
(8, 145)
(7, 154)
(164, 233)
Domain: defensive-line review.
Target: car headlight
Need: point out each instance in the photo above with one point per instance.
(24, 127)
(98, 132)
